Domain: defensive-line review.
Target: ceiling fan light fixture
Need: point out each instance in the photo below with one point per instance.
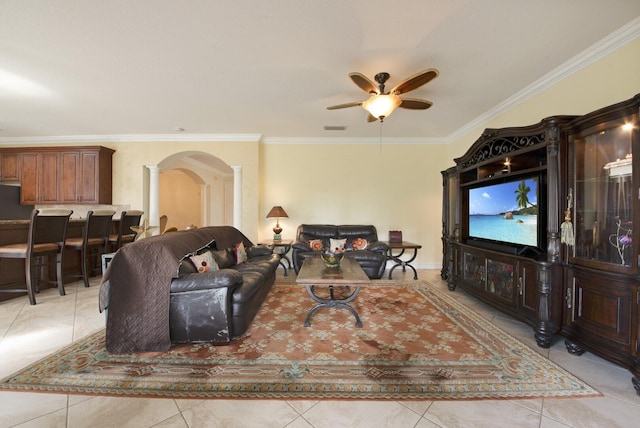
(381, 106)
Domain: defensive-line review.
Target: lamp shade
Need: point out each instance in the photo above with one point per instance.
(381, 106)
(277, 211)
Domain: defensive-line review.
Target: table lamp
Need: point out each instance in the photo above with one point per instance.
(277, 212)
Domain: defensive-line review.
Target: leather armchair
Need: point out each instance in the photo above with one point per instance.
(372, 259)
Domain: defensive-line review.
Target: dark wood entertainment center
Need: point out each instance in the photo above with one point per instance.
(578, 273)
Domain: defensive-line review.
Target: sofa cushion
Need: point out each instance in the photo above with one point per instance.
(186, 266)
(240, 253)
(316, 244)
(307, 232)
(353, 232)
(337, 244)
(224, 258)
(359, 244)
(204, 262)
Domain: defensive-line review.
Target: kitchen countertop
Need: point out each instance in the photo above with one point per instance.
(21, 222)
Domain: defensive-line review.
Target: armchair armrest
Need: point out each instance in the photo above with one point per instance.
(378, 247)
(301, 246)
(222, 278)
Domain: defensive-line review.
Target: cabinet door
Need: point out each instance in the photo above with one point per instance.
(493, 274)
(40, 178)
(473, 269)
(89, 177)
(9, 167)
(49, 178)
(604, 196)
(29, 180)
(599, 309)
(500, 278)
(528, 287)
(80, 177)
(70, 178)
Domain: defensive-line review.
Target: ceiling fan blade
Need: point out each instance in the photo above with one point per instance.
(353, 104)
(371, 118)
(415, 104)
(364, 83)
(415, 81)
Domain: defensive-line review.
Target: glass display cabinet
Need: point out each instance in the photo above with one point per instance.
(604, 202)
(602, 287)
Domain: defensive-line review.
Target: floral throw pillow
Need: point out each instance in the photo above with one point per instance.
(337, 245)
(204, 262)
(316, 244)
(359, 244)
(241, 253)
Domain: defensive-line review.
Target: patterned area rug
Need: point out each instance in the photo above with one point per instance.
(416, 343)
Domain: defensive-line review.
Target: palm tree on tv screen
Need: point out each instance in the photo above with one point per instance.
(521, 195)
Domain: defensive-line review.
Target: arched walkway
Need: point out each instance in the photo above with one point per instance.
(192, 180)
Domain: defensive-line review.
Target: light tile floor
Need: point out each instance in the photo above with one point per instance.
(28, 333)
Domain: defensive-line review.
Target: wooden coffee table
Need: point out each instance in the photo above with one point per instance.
(315, 274)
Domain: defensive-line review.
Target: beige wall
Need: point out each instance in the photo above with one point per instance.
(394, 187)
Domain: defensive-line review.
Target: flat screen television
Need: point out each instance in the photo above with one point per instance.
(508, 214)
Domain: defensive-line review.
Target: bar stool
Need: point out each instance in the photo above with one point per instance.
(125, 235)
(47, 232)
(94, 241)
(163, 223)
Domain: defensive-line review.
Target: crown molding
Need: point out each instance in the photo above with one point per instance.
(353, 140)
(595, 52)
(135, 138)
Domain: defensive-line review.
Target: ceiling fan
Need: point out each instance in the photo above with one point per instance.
(381, 104)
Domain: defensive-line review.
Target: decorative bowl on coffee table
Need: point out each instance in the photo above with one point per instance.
(332, 259)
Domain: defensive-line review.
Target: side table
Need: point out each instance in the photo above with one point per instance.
(402, 247)
(282, 247)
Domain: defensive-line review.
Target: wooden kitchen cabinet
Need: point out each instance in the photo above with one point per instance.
(9, 167)
(40, 178)
(63, 175)
(86, 176)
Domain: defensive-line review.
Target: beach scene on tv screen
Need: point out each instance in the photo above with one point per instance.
(505, 212)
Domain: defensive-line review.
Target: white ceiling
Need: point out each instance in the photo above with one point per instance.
(270, 68)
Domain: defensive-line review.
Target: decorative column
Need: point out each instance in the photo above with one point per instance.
(205, 209)
(553, 191)
(153, 216)
(237, 197)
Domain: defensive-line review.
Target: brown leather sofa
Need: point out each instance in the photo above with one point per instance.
(220, 305)
(155, 296)
(373, 259)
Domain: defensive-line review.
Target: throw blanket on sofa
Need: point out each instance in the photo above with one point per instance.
(139, 281)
